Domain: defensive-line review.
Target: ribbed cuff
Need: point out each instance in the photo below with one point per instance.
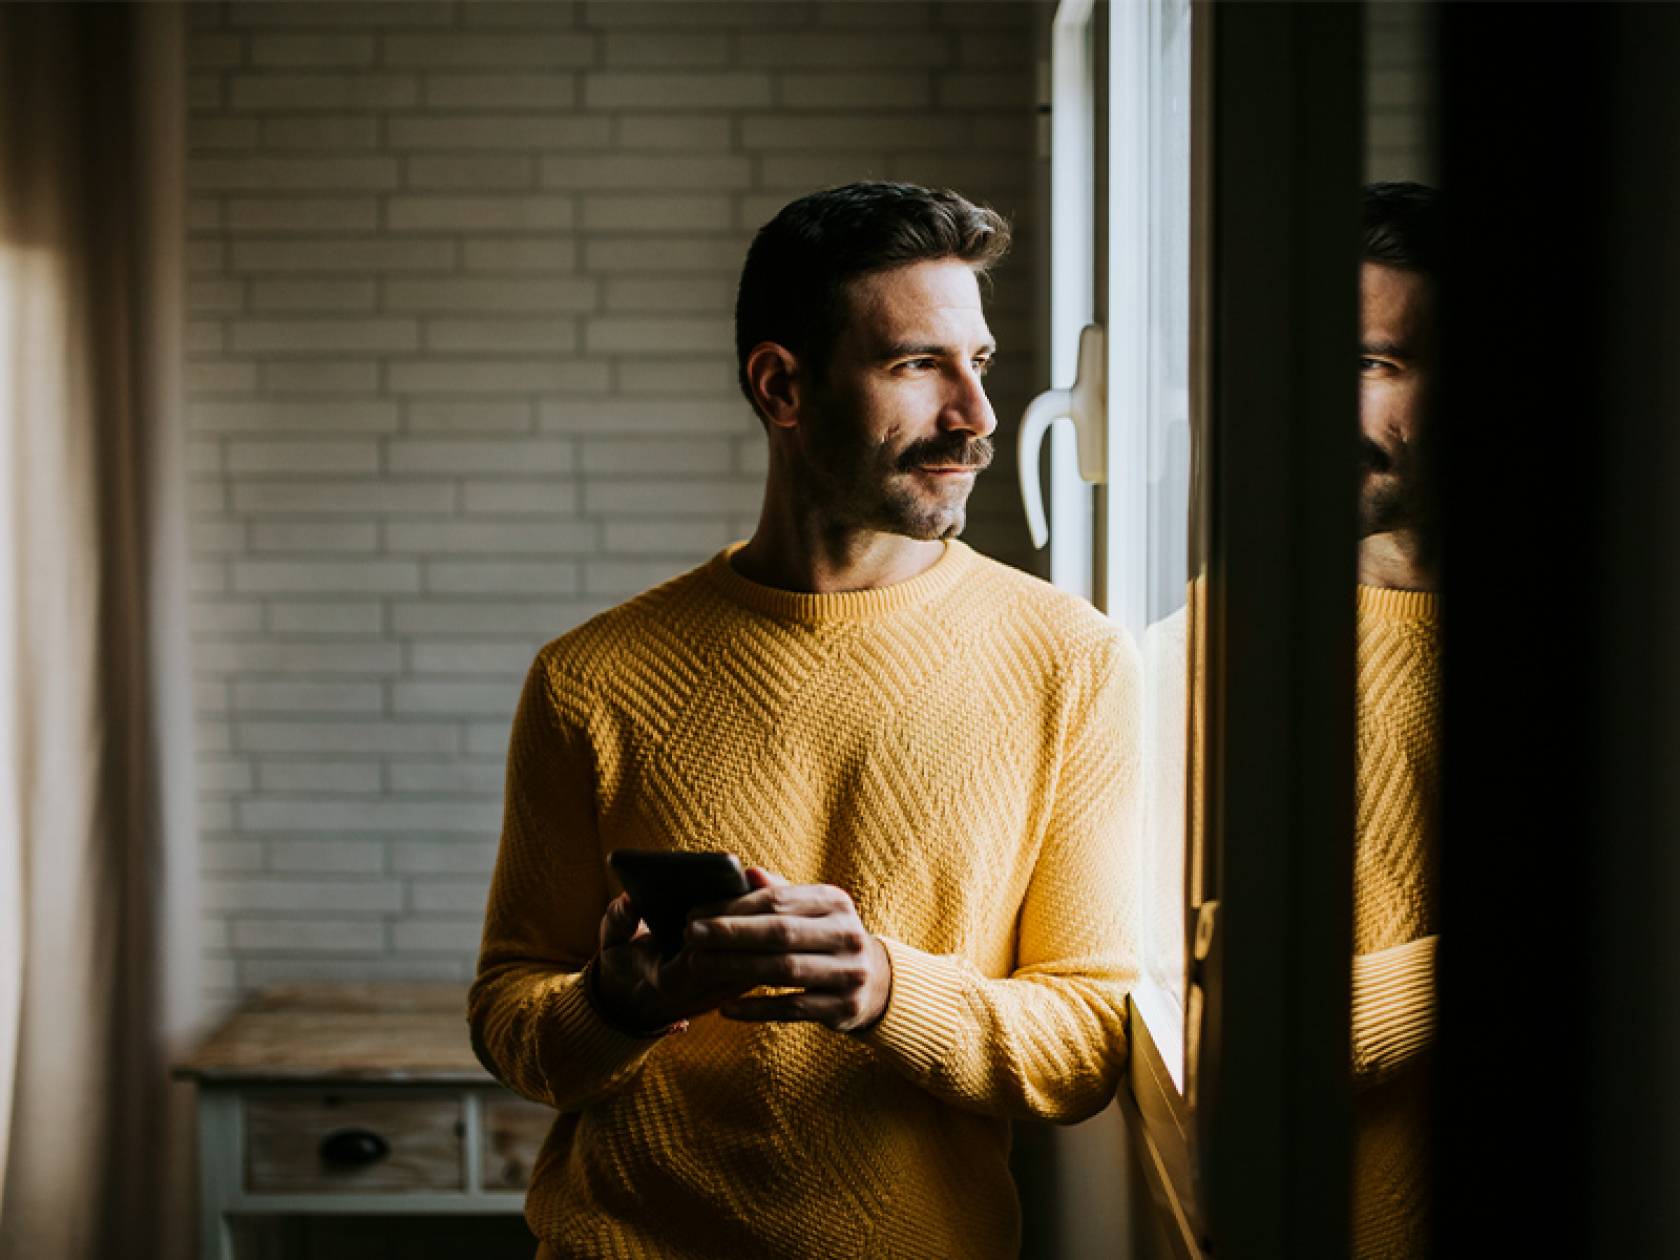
(592, 1046)
(591, 976)
(1393, 1005)
(926, 1012)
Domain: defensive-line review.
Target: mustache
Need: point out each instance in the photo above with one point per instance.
(955, 449)
(1372, 457)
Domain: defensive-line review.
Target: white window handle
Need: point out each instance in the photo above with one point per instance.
(1082, 403)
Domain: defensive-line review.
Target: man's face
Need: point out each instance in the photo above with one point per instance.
(898, 425)
(1396, 400)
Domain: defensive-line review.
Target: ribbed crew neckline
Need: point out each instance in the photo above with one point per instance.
(813, 608)
(1399, 605)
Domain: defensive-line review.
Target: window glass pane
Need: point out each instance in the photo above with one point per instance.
(1148, 556)
(1169, 310)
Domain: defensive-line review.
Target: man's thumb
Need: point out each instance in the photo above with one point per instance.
(618, 925)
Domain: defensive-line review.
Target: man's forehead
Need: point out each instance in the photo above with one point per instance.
(930, 297)
(1396, 288)
(1394, 303)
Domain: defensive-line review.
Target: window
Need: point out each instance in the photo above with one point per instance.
(1120, 255)
(1145, 552)
(1218, 185)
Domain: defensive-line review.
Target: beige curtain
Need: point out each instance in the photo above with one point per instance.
(97, 906)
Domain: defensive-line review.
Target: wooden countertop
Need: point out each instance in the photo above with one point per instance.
(365, 1033)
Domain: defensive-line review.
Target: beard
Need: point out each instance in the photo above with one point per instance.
(862, 484)
(1395, 493)
(1382, 506)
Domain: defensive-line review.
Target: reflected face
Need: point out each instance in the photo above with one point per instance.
(894, 433)
(1396, 400)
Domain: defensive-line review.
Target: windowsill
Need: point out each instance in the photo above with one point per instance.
(1162, 1014)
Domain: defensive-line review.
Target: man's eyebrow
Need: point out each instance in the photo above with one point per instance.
(1387, 349)
(918, 350)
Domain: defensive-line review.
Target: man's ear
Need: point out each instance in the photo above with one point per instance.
(773, 374)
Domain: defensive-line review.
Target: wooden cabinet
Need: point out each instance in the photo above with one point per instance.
(354, 1144)
(362, 1100)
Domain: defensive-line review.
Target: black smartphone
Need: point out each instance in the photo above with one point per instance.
(665, 886)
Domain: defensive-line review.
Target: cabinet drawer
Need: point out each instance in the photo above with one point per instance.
(351, 1143)
(514, 1131)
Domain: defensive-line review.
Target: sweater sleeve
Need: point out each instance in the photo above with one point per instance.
(1048, 1041)
(532, 1024)
(1393, 1008)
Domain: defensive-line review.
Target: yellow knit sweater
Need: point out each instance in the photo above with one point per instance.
(957, 751)
(1395, 918)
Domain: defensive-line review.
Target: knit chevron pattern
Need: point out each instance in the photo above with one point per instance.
(1398, 789)
(959, 753)
(1397, 794)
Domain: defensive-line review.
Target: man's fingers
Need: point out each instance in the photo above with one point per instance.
(693, 990)
(758, 877)
(620, 923)
(761, 900)
(779, 933)
(780, 898)
(743, 971)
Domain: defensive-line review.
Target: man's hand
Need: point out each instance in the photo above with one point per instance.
(639, 990)
(804, 936)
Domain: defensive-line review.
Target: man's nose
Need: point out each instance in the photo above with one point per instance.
(967, 408)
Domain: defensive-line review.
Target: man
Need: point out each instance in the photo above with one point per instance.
(1399, 707)
(925, 759)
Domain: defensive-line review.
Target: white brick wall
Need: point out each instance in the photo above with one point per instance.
(461, 374)
(1400, 94)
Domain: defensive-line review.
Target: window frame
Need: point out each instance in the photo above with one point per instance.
(1157, 1095)
(1242, 1154)
(1274, 937)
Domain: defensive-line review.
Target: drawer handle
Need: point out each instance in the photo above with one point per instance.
(352, 1148)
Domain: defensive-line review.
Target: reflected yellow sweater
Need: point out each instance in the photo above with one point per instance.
(958, 751)
(1395, 923)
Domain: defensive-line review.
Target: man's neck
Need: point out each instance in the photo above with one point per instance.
(1398, 561)
(798, 551)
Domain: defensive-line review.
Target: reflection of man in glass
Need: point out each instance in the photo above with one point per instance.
(1398, 681)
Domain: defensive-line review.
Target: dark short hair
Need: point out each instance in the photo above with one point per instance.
(1402, 227)
(793, 285)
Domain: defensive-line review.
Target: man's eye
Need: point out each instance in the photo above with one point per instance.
(917, 365)
(1373, 365)
(983, 366)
